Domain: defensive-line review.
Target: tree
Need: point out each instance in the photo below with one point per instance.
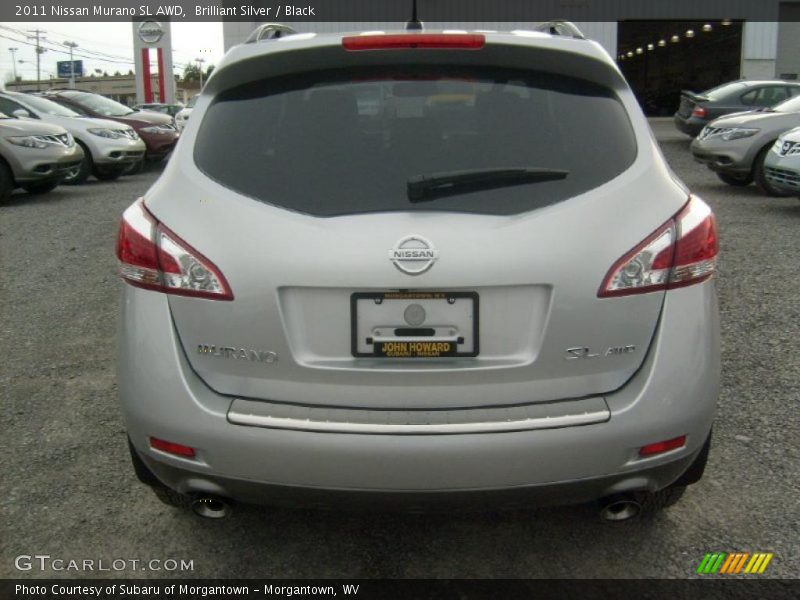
(191, 72)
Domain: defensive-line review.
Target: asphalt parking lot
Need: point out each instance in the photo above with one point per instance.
(69, 491)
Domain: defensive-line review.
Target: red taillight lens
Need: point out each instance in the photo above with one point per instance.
(455, 41)
(153, 257)
(681, 252)
(172, 448)
(699, 111)
(661, 447)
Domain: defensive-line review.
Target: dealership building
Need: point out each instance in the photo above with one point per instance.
(658, 57)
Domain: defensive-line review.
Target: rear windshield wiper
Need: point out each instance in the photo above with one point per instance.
(422, 188)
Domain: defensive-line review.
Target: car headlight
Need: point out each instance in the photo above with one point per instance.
(162, 129)
(29, 141)
(113, 134)
(737, 133)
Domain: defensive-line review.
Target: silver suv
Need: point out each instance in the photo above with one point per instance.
(34, 156)
(416, 269)
(109, 147)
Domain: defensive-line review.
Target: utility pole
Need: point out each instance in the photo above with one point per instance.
(14, 61)
(71, 46)
(200, 62)
(39, 37)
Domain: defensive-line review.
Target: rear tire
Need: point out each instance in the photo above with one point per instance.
(735, 180)
(6, 182)
(41, 187)
(167, 495)
(761, 180)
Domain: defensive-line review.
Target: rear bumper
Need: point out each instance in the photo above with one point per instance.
(689, 125)
(673, 394)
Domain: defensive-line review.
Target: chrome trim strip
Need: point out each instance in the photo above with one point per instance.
(238, 417)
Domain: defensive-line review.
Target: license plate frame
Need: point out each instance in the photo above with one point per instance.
(379, 348)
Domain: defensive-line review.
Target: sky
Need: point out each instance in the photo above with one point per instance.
(110, 45)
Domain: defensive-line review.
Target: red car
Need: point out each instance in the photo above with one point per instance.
(157, 130)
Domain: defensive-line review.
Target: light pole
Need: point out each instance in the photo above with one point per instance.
(200, 62)
(37, 35)
(14, 61)
(71, 46)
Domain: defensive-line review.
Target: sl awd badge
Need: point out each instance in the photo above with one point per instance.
(413, 254)
(584, 352)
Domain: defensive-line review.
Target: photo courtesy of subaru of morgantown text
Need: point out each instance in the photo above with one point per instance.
(354, 283)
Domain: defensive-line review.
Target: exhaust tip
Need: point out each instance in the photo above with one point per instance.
(211, 507)
(620, 508)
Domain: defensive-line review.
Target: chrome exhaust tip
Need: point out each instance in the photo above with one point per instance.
(619, 508)
(212, 507)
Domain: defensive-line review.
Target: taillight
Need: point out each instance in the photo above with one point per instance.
(172, 448)
(681, 252)
(456, 41)
(661, 447)
(700, 112)
(153, 257)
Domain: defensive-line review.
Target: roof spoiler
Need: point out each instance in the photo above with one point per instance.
(269, 31)
(562, 28)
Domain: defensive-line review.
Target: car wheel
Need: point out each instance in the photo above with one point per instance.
(41, 187)
(761, 180)
(134, 168)
(108, 173)
(735, 180)
(80, 173)
(6, 182)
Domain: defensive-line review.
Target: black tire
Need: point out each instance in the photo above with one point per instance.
(41, 187)
(134, 168)
(653, 502)
(167, 495)
(761, 181)
(172, 498)
(81, 173)
(6, 182)
(107, 173)
(735, 180)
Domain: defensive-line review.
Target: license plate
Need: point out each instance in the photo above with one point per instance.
(414, 324)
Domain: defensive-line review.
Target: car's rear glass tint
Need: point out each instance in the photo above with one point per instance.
(349, 142)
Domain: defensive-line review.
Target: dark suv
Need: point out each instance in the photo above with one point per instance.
(698, 109)
(157, 130)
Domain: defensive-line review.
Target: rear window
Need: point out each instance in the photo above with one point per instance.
(358, 141)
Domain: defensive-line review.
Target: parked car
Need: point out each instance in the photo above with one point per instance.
(782, 165)
(109, 148)
(156, 130)
(34, 156)
(735, 147)
(698, 110)
(327, 299)
(166, 109)
(183, 115)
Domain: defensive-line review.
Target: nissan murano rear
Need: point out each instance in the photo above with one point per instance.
(418, 270)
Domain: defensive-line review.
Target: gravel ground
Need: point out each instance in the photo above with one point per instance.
(69, 490)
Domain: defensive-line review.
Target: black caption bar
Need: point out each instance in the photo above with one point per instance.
(406, 589)
(394, 11)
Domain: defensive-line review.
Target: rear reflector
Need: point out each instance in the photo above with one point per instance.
(683, 251)
(172, 448)
(699, 111)
(400, 41)
(153, 257)
(661, 447)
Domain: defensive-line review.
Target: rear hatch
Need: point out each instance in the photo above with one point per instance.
(417, 229)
